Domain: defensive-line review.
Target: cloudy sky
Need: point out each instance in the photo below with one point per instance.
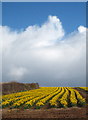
(44, 43)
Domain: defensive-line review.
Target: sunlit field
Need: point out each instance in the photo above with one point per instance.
(53, 97)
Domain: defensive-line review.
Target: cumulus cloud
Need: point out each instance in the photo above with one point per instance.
(81, 29)
(45, 55)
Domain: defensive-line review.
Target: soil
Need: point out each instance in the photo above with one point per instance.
(45, 113)
(76, 113)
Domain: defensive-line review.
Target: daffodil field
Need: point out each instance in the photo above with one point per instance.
(56, 97)
(84, 88)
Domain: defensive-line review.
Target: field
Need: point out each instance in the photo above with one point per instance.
(84, 88)
(45, 100)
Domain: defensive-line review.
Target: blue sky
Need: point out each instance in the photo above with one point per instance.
(40, 51)
(21, 15)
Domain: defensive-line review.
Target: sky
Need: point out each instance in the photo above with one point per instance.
(44, 0)
(44, 43)
(21, 15)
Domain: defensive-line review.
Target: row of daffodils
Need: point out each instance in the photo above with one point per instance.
(52, 96)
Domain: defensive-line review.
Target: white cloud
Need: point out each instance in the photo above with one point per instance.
(81, 29)
(17, 72)
(51, 58)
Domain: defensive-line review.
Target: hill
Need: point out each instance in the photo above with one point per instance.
(13, 87)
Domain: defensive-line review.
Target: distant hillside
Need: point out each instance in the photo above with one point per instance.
(13, 87)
